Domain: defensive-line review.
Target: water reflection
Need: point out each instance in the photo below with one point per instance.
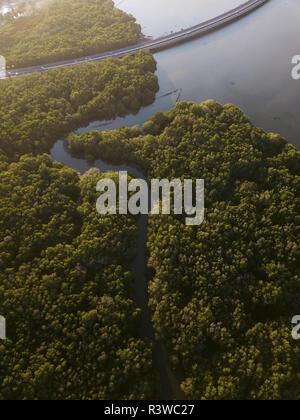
(247, 63)
(60, 154)
(168, 95)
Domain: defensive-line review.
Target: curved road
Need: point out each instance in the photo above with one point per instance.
(154, 45)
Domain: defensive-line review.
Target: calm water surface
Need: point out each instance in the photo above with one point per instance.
(161, 17)
(247, 63)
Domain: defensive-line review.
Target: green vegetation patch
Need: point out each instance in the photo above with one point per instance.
(65, 290)
(65, 272)
(66, 29)
(36, 110)
(223, 294)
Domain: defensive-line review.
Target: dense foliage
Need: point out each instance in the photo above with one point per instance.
(36, 110)
(65, 272)
(223, 294)
(65, 29)
(65, 287)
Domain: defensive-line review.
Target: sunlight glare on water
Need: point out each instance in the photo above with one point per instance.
(161, 17)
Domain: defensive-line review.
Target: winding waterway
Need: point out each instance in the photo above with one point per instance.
(247, 63)
(169, 383)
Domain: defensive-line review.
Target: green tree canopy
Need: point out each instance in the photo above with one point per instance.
(64, 29)
(223, 294)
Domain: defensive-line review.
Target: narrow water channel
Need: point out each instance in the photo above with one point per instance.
(169, 383)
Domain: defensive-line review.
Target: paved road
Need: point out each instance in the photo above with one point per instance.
(153, 45)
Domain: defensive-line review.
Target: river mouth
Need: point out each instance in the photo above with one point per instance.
(247, 63)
